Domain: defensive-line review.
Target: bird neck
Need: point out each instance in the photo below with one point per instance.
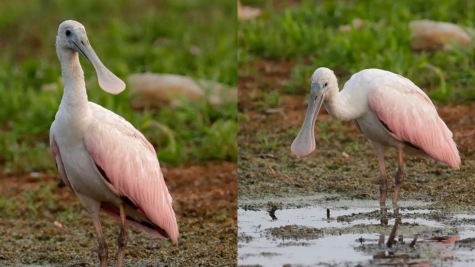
(339, 105)
(75, 95)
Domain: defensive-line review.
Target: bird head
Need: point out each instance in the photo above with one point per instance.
(72, 38)
(322, 80)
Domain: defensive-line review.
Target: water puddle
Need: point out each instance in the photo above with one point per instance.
(301, 234)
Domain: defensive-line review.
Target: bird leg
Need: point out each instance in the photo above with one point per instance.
(102, 251)
(122, 238)
(383, 187)
(399, 176)
(93, 207)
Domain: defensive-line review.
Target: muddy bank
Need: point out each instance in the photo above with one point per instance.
(43, 225)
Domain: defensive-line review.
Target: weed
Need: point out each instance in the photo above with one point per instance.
(267, 143)
(272, 98)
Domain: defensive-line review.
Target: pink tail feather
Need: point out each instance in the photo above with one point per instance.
(451, 155)
(150, 228)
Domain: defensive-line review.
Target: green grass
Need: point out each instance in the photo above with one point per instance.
(308, 34)
(272, 98)
(268, 143)
(193, 38)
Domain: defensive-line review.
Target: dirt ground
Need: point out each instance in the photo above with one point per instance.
(44, 225)
(343, 162)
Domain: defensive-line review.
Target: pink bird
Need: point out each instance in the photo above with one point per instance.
(390, 110)
(106, 161)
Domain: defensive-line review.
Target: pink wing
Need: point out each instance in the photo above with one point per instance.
(131, 169)
(57, 157)
(412, 117)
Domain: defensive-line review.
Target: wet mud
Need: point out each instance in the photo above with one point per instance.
(321, 231)
(43, 225)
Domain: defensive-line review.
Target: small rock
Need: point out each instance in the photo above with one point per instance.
(274, 111)
(49, 87)
(218, 93)
(355, 24)
(247, 12)
(58, 224)
(152, 90)
(432, 35)
(155, 90)
(35, 174)
(194, 50)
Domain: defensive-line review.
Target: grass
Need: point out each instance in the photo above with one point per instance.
(272, 98)
(268, 143)
(308, 34)
(183, 37)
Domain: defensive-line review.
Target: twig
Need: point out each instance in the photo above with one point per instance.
(272, 212)
(269, 168)
(413, 243)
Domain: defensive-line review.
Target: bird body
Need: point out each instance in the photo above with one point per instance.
(105, 131)
(108, 163)
(399, 114)
(390, 110)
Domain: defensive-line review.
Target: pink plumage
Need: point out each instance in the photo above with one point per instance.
(390, 110)
(412, 117)
(130, 163)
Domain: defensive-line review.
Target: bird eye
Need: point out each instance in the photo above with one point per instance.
(326, 83)
(68, 32)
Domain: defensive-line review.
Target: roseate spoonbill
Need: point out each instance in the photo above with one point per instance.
(390, 110)
(106, 161)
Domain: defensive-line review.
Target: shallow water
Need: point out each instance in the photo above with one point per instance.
(350, 236)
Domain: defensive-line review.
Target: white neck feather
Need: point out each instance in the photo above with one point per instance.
(344, 105)
(75, 95)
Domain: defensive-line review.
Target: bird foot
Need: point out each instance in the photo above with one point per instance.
(102, 254)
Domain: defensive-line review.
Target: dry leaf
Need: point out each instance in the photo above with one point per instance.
(269, 169)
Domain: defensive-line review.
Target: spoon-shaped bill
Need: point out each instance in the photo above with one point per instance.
(304, 143)
(107, 80)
